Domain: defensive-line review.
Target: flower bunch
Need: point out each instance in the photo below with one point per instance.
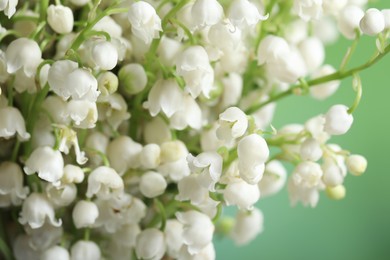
(127, 126)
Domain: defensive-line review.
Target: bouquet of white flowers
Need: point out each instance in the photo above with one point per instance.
(127, 126)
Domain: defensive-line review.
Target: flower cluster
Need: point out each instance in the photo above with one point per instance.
(127, 126)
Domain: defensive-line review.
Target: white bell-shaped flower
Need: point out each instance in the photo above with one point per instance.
(109, 25)
(72, 174)
(45, 236)
(315, 126)
(333, 7)
(152, 184)
(194, 66)
(176, 170)
(324, 90)
(84, 214)
(207, 253)
(56, 108)
(85, 250)
(133, 78)
(9, 7)
(150, 244)
(123, 153)
(373, 22)
(332, 173)
(190, 188)
(243, 13)
(241, 194)
(198, 230)
(168, 50)
(150, 156)
(60, 18)
(36, 209)
(349, 19)
(337, 120)
(247, 226)
(274, 179)
(174, 237)
(104, 55)
(189, 115)
(47, 163)
(104, 182)
(209, 167)
(206, 13)
(145, 23)
(271, 48)
(313, 53)
(12, 123)
(252, 153)
(356, 164)
(57, 77)
(165, 96)
(386, 16)
(308, 9)
(62, 195)
(297, 193)
(82, 85)
(12, 191)
(23, 53)
(83, 113)
(108, 83)
(307, 174)
(233, 124)
(311, 150)
(296, 31)
(55, 252)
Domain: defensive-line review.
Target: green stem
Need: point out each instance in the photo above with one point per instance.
(358, 87)
(87, 234)
(163, 214)
(15, 151)
(334, 76)
(172, 12)
(43, 10)
(350, 51)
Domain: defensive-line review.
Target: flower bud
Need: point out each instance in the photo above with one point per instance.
(311, 150)
(332, 173)
(150, 244)
(152, 184)
(356, 164)
(150, 156)
(173, 151)
(85, 214)
(85, 250)
(242, 194)
(348, 21)
(60, 18)
(373, 22)
(123, 154)
(336, 193)
(133, 78)
(337, 120)
(55, 252)
(313, 53)
(274, 178)
(104, 55)
(72, 174)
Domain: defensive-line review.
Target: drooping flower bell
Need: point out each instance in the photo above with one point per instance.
(60, 18)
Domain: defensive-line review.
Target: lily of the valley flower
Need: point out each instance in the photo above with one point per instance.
(60, 18)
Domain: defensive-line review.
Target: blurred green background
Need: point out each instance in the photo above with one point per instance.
(357, 227)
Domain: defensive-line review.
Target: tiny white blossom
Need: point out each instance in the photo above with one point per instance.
(23, 53)
(243, 13)
(189, 114)
(12, 123)
(311, 150)
(356, 164)
(373, 22)
(308, 9)
(313, 53)
(104, 55)
(9, 7)
(174, 237)
(84, 214)
(298, 193)
(337, 120)
(349, 19)
(233, 124)
(36, 209)
(145, 22)
(274, 179)
(12, 191)
(62, 195)
(150, 156)
(206, 13)
(152, 184)
(248, 224)
(123, 153)
(83, 113)
(133, 78)
(104, 182)
(72, 174)
(55, 252)
(197, 231)
(332, 173)
(85, 250)
(241, 194)
(47, 163)
(307, 174)
(60, 18)
(150, 244)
